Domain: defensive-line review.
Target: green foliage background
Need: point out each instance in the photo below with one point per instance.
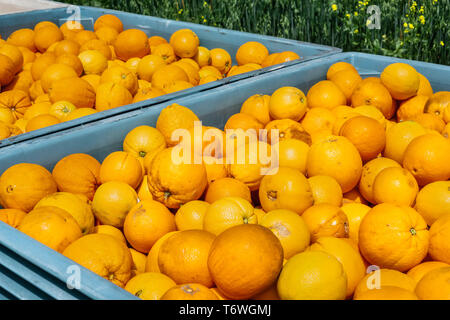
(416, 30)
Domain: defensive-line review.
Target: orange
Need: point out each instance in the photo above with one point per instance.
(251, 52)
(325, 94)
(220, 59)
(93, 80)
(336, 157)
(227, 187)
(258, 107)
(51, 226)
(286, 189)
(339, 66)
(46, 36)
(290, 229)
(12, 217)
(111, 95)
(378, 279)
(151, 264)
(427, 157)
(148, 65)
(387, 293)
(325, 189)
(154, 41)
(139, 260)
(214, 169)
(8, 70)
(112, 202)
(185, 43)
(398, 138)
(190, 291)
(394, 237)
(412, 107)
(21, 81)
(108, 20)
(366, 134)
(164, 51)
(67, 47)
(190, 215)
(15, 101)
(71, 25)
(435, 285)
(285, 56)
(424, 87)
(342, 114)
(175, 117)
(191, 71)
(439, 239)
(103, 255)
(110, 230)
(41, 63)
(80, 112)
(318, 119)
(143, 140)
(143, 190)
(28, 57)
(353, 196)
(131, 43)
(355, 212)
(147, 93)
(346, 80)
(293, 153)
(430, 121)
(149, 285)
(401, 79)
(72, 61)
(438, 104)
(75, 90)
(433, 201)
(43, 24)
(351, 260)
(121, 75)
(22, 38)
(121, 166)
(77, 173)
(374, 94)
(41, 121)
(243, 121)
(395, 185)
(269, 60)
(245, 247)
(97, 45)
(164, 76)
(145, 223)
(419, 271)
(208, 70)
(77, 206)
(312, 275)
(107, 34)
(202, 57)
(14, 54)
(93, 61)
(184, 257)
(227, 212)
(287, 103)
(325, 220)
(370, 171)
(55, 72)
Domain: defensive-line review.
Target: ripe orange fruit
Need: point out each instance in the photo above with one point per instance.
(395, 185)
(110, 230)
(97, 45)
(287, 103)
(14, 54)
(312, 275)
(22, 81)
(56, 72)
(93, 61)
(151, 264)
(107, 34)
(424, 86)
(111, 95)
(103, 255)
(40, 64)
(12, 217)
(112, 202)
(285, 56)
(149, 285)
(430, 121)
(286, 129)
(392, 236)
(15, 101)
(375, 94)
(143, 190)
(387, 293)
(28, 57)
(202, 57)
(147, 93)
(148, 65)
(227, 187)
(325, 189)
(154, 41)
(325, 94)
(269, 60)
(293, 153)
(401, 79)
(80, 112)
(355, 212)
(318, 119)
(419, 271)
(165, 51)
(439, 239)
(434, 285)
(427, 157)
(71, 61)
(258, 107)
(438, 105)
(143, 140)
(75, 90)
(243, 121)
(121, 166)
(190, 215)
(209, 71)
(22, 38)
(184, 257)
(339, 66)
(336, 157)
(77, 173)
(145, 223)
(433, 201)
(185, 43)
(325, 220)
(370, 171)
(108, 20)
(121, 75)
(84, 36)
(411, 108)
(46, 36)
(164, 76)
(290, 229)
(71, 26)
(398, 138)
(221, 60)
(251, 52)
(8, 70)
(131, 43)
(346, 80)
(287, 189)
(190, 291)
(245, 247)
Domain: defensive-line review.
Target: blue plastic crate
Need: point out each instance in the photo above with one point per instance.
(209, 37)
(99, 139)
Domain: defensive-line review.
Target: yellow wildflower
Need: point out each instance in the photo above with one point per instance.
(411, 26)
(356, 31)
(405, 24)
(180, 11)
(334, 7)
(442, 43)
(355, 13)
(422, 9)
(348, 15)
(422, 19)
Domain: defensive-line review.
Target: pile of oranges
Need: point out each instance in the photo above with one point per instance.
(53, 74)
(355, 204)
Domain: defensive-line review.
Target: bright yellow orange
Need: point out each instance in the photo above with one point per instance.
(325, 220)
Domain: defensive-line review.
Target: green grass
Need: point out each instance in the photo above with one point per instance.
(416, 30)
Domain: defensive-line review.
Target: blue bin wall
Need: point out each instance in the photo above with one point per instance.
(209, 37)
(213, 107)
